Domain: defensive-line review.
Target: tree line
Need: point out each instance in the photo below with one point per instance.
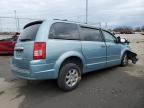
(128, 30)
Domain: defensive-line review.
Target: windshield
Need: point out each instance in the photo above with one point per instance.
(29, 33)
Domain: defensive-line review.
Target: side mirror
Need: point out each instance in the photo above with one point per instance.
(118, 40)
(122, 40)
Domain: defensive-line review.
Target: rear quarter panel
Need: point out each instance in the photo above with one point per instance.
(59, 50)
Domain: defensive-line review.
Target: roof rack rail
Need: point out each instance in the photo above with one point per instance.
(88, 25)
(67, 20)
(61, 19)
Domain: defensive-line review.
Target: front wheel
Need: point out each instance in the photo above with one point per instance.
(69, 76)
(124, 61)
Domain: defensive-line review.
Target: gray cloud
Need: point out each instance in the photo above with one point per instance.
(114, 12)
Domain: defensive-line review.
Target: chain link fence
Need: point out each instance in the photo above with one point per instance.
(10, 24)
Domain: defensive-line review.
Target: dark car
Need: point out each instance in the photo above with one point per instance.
(7, 44)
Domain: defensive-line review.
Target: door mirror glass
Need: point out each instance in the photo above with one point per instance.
(122, 40)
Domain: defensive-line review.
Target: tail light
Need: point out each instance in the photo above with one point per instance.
(39, 50)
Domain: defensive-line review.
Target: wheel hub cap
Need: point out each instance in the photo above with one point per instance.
(71, 77)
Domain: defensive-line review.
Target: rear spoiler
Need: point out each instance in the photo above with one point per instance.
(33, 23)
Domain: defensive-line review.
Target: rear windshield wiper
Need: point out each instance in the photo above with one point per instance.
(27, 39)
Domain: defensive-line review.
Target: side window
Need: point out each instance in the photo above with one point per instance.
(64, 31)
(89, 34)
(109, 37)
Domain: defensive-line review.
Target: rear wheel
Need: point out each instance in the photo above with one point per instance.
(124, 61)
(69, 77)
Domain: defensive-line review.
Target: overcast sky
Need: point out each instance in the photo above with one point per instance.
(114, 12)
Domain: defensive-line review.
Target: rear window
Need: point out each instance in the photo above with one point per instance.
(29, 33)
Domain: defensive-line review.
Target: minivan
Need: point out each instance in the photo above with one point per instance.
(64, 50)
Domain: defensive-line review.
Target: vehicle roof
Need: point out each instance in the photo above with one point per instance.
(66, 21)
(75, 22)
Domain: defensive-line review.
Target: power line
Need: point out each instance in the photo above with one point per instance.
(19, 18)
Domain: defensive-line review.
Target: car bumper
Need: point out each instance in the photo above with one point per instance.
(6, 52)
(35, 72)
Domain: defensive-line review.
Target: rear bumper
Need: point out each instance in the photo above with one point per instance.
(35, 72)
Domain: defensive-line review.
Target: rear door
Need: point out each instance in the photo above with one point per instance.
(23, 52)
(93, 48)
(63, 38)
(113, 49)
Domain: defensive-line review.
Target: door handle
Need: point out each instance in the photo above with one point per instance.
(109, 46)
(19, 49)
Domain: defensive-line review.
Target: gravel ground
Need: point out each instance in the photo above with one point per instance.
(116, 87)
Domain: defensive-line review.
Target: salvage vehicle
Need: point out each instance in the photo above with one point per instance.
(7, 44)
(64, 50)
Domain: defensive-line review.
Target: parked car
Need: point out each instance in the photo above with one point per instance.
(65, 50)
(7, 44)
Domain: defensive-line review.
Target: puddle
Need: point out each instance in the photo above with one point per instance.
(2, 92)
(137, 73)
(2, 79)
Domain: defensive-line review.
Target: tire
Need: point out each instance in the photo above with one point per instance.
(124, 61)
(69, 76)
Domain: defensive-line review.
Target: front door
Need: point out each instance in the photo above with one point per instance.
(93, 48)
(113, 49)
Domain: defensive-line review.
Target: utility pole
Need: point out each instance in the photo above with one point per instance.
(86, 11)
(18, 24)
(15, 15)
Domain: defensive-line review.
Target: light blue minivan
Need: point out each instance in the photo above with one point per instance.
(64, 50)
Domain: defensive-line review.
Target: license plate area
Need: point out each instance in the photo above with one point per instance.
(18, 54)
